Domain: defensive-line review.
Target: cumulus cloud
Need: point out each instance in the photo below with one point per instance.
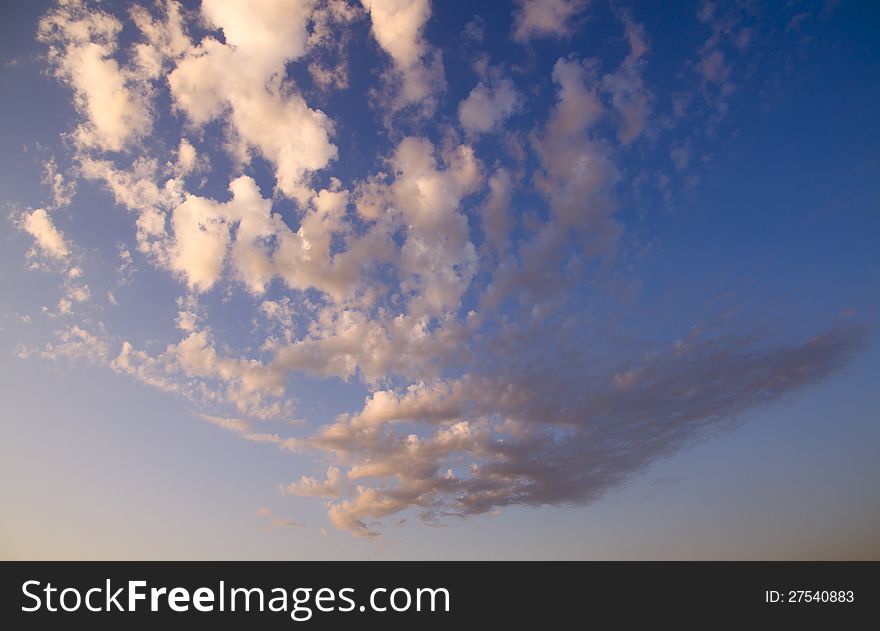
(47, 238)
(398, 26)
(328, 40)
(208, 235)
(437, 256)
(164, 38)
(82, 42)
(200, 241)
(486, 107)
(310, 487)
(140, 188)
(241, 80)
(187, 157)
(545, 18)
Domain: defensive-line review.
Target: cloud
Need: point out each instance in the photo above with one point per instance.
(680, 156)
(63, 190)
(486, 107)
(310, 487)
(529, 435)
(246, 430)
(277, 522)
(82, 42)
(629, 96)
(203, 242)
(241, 81)
(495, 212)
(398, 27)
(576, 169)
(712, 66)
(201, 238)
(328, 40)
(194, 370)
(545, 18)
(79, 293)
(73, 344)
(437, 257)
(47, 238)
(139, 187)
(458, 274)
(164, 40)
(716, 59)
(187, 157)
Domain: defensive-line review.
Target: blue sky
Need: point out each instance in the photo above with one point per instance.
(547, 279)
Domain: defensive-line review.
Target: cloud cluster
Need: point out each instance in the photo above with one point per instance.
(242, 81)
(559, 433)
(456, 286)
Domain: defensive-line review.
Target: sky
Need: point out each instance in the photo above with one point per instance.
(401, 279)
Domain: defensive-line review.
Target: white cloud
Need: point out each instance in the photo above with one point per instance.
(310, 487)
(202, 242)
(328, 40)
(437, 256)
(398, 27)
(187, 157)
(64, 307)
(82, 43)
(201, 237)
(79, 293)
(487, 107)
(74, 343)
(164, 40)
(193, 368)
(140, 189)
(241, 80)
(62, 189)
(545, 18)
(47, 238)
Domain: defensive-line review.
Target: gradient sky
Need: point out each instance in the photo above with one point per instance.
(552, 279)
